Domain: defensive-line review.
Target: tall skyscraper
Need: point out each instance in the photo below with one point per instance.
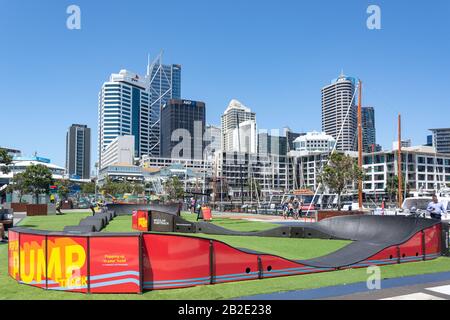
(78, 151)
(336, 99)
(164, 83)
(368, 129)
(441, 140)
(235, 114)
(124, 109)
(183, 129)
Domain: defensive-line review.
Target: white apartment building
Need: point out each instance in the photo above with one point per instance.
(315, 142)
(120, 150)
(235, 113)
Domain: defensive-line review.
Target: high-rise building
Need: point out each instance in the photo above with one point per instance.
(441, 140)
(368, 129)
(164, 83)
(337, 98)
(235, 114)
(291, 136)
(183, 129)
(429, 141)
(119, 151)
(78, 151)
(124, 109)
(272, 144)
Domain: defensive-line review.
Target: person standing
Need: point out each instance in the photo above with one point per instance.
(436, 208)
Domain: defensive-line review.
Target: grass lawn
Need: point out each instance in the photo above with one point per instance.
(297, 248)
(54, 222)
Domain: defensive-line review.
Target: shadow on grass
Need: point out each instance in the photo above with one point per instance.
(27, 226)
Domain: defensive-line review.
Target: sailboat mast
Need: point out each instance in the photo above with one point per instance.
(360, 146)
(399, 163)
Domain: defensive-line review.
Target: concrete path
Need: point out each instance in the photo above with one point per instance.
(427, 286)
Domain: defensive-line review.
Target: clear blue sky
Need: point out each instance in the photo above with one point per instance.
(274, 56)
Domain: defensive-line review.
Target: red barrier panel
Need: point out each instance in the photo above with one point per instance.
(32, 260)
(67, 258)
(231, 264)
(273, 266)
(433, 240)
(13, 255)
(142, 220)
(175, 261)
(114, 268)
(134, 220)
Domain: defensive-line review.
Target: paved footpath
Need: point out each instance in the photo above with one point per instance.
(434, 286)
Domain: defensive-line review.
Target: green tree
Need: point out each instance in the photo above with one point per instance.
(138, 188)
(392, 187)
(18, 185)
(88, 188)
(174, 189)
(5, 160)
(63, 188)
(37, 179)
(339, 172)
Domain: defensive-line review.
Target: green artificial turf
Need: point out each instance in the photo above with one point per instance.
(53, 222)
(297, 248)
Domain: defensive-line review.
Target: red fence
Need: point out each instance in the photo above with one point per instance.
(131, 263)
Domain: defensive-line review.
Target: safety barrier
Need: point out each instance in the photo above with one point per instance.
(134, 262)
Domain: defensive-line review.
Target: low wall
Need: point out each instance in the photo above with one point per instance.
(36, 209)
(325, 214)
(19, 207)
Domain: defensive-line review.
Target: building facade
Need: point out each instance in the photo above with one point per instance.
(272, 144)
(164, 83)
(124, 109)
(337, 99)
(235, 113)
(441, 140)
(183, 129)
(368, 129)
(12, 152)
(78, 151)
(315, 142)
(120, 150)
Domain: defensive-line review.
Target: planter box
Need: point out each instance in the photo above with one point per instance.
(324, 214)
(36, 209)
(19, 207)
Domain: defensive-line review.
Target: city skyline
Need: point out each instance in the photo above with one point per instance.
(399, 74)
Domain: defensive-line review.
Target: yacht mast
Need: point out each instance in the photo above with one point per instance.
(399, 162)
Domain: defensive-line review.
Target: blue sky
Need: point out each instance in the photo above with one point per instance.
(274, 56)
